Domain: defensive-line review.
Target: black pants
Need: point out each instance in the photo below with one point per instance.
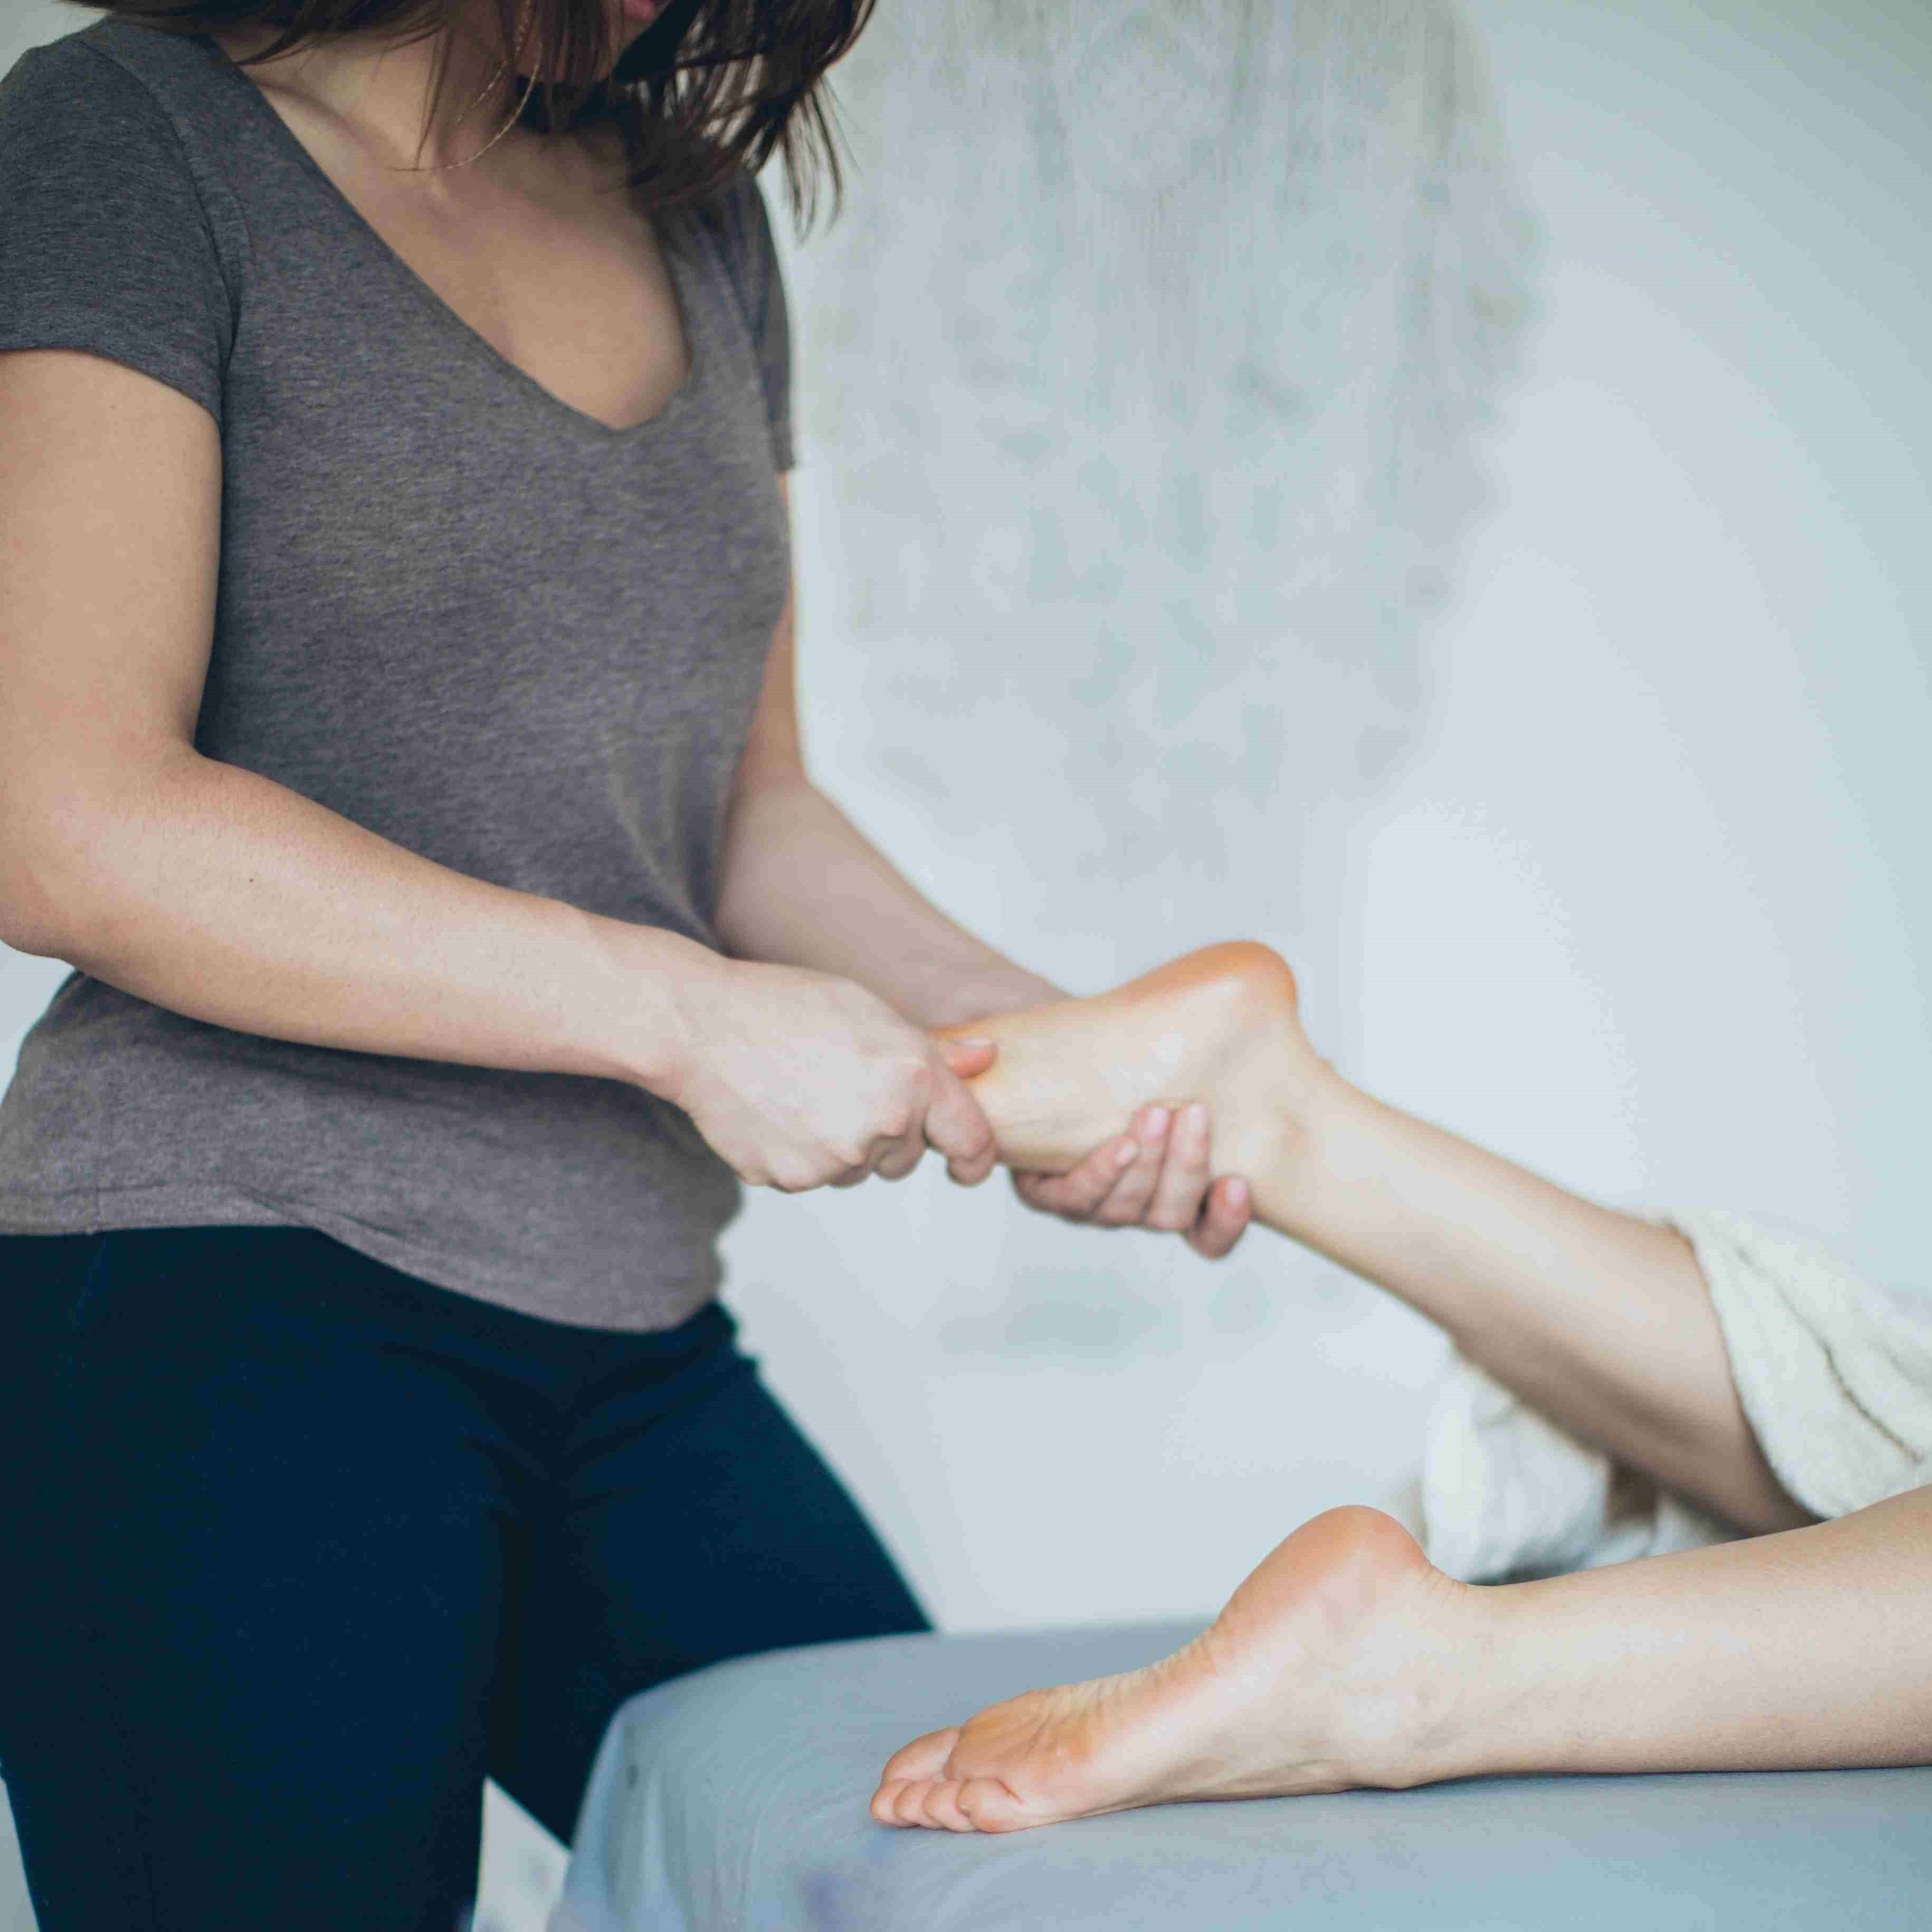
(294, 1549)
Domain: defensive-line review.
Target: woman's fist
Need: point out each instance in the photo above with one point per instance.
(801, 1080)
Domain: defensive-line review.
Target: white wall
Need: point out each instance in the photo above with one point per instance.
(1647, 911)
(1646, 906)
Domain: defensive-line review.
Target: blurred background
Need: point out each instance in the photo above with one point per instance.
(1443, 489)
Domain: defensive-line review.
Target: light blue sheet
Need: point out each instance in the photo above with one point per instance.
(737, 1799)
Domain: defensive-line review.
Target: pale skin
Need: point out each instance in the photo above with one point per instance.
(802, 1053)
(1346, 1658)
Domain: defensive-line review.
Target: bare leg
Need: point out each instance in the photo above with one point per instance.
(1346, 1660)
(1600, 1320)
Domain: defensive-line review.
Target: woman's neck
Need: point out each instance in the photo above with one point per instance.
(379, 92)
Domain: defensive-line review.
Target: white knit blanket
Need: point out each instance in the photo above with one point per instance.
(1835, 1376)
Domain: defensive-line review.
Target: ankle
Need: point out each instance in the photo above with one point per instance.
(1284, 1150)
(1438, 1719)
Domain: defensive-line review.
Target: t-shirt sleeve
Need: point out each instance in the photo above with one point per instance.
(753, 253)
(105, 245)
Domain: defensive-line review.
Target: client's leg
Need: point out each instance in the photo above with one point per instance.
(1346, 1660)
(1600, 1320)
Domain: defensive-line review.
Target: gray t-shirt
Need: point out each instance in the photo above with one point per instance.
(452, 609)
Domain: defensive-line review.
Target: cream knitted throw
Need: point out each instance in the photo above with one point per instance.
(1835, 1376)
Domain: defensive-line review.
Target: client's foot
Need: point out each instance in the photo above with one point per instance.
(1221, 1025)
(1334, 1665)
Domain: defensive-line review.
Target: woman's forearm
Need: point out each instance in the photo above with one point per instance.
(803, 886)
(216, 893)
(1600, 1320)
(1808, 1648)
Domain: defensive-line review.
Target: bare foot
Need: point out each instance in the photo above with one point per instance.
(1334, 1665)
(1222, 1025)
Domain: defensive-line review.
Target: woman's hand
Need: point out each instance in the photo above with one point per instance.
(1155, 1175)
(800, 1079)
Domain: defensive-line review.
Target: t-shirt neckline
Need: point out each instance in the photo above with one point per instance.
(478, 345)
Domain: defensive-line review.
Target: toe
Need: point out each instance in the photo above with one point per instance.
(909, 1801)
(941, 1807)
(989, 1804)
(885, 1801)
(924, 1757)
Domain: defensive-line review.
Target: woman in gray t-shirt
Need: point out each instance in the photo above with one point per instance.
(398, 736)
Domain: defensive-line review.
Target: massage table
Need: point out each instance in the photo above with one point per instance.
(734, 1801)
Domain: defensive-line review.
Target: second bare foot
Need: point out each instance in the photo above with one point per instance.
(1334, 1664)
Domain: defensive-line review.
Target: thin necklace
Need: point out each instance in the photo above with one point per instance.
(489, 88)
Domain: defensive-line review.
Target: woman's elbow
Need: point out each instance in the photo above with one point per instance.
(50, 863)
(28, 924)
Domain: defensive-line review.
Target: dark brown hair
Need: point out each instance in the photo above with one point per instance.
(709, 86)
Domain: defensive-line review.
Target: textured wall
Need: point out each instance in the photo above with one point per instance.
(1136, 388)
(1614, 864)
(1139, 385)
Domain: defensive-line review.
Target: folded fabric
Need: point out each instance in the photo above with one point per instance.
(1835, 1376)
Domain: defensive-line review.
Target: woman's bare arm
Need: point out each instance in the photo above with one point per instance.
(206, 889)
(801, 884)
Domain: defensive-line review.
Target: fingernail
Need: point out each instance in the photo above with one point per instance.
(969, 1045)
(1125, 1155)
(1154, 1126)
(1194, 1118)
(1237, 1194)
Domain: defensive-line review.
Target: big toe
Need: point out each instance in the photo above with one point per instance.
(924, 1757)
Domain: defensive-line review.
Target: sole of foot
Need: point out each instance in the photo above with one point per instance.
(1331, 1666)
(1221, 1025)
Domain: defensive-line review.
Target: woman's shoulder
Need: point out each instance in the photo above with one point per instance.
(734, 215)
(119, 231)
(112, 91)
(734, 209)
(110, 62)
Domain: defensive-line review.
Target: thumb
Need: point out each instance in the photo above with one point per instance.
(967, 1057)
